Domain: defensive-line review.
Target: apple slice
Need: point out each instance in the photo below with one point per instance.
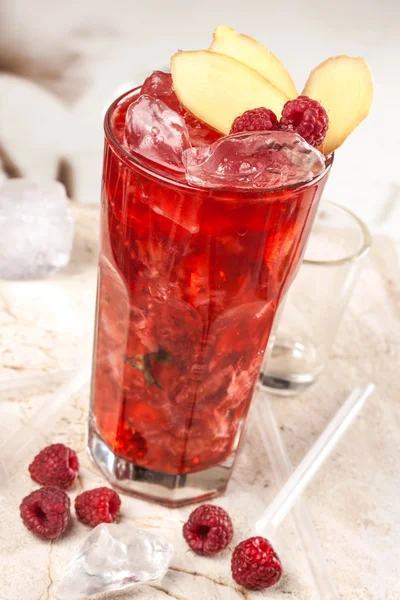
(345, 88)
(255, 55)
(216, 88)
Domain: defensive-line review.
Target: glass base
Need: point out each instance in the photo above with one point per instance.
(290, 369)
(155, 486)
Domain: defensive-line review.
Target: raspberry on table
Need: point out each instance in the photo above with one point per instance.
(45, 512)
(257, 119)
(101, 505)
(307, 118)
(255, 565)
(55, 465)
(208, 530)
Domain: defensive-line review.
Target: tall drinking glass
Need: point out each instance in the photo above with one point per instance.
(189, 283)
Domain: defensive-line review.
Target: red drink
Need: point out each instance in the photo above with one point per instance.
(190, 280)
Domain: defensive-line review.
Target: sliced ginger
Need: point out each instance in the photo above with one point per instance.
(345, 88)
(250, 52)
(216, 88)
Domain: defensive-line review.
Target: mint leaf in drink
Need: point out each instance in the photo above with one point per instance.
(148, 374)
(161, 356)
(142, 362)
(135, 361)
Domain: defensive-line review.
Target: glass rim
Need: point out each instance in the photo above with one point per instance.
(145, 166)
(354, 256)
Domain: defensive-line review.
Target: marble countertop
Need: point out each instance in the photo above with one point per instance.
(47, 328)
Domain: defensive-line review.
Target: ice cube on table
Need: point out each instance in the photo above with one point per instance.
(157, 132)
(114, 558)
(264, 160)
(36, 229)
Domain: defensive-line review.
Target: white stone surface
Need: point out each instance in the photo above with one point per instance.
(47, 325)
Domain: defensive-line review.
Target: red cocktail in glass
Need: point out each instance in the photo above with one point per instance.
(190, 280)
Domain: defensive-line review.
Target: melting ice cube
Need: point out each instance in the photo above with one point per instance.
(36, 229)
(264, 160)
(113, 558)
(157, 132)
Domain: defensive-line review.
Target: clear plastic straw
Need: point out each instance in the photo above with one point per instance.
(289, 493)
(16, 448)
(264, 419)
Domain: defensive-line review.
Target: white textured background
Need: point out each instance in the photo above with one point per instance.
(68, 46)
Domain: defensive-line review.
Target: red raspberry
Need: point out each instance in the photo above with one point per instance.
(257, 119)
(255, 565)
(55, 465)
(100, 505)
(208, 530)
(46, 512)
(307, 118)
